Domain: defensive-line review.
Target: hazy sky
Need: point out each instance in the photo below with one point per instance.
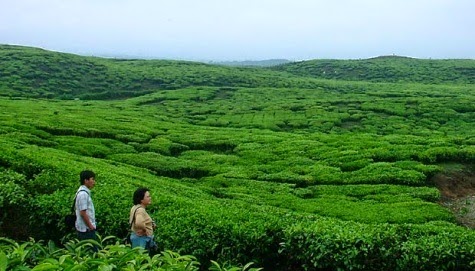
(243, 29)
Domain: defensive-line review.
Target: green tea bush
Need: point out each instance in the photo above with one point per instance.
(385, 173)
(11, 191)
(365, 191)
(163, 146)
(76, 255)
(162, 165)
(285, 177)
(324, 174)
(31, 139)
(94, 147)
(440, 154)
(350, 246)
(223, 231)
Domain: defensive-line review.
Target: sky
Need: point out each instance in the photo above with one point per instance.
(237, 30)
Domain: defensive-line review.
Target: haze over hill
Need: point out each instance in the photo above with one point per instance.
(245, 29)
(251, 63)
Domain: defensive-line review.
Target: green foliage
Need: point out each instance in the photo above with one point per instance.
(387, 69)
(349, 246)
(11, 192)
(244, 165)
(76, 255)
(95, 147)
(32, 72)
(217, 267)
(352, 176)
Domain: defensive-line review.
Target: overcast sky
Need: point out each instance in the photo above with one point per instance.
(216, 30)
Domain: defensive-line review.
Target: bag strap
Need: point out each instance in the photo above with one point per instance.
(133, 218)
(74, 202)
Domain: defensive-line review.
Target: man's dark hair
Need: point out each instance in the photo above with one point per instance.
(139, 194)
(86, 175)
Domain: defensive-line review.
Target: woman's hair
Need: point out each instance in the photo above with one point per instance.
(139, 194)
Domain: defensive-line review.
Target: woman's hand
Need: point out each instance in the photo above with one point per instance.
(141, 232)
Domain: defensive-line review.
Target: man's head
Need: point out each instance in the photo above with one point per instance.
(87, 178)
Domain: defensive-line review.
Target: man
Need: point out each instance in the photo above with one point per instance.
(85, 213)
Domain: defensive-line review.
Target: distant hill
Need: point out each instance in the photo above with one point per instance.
(34, 72)
(38, 73)
(252, 63)
(387, 69)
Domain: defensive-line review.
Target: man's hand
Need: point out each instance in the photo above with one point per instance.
(87, 220)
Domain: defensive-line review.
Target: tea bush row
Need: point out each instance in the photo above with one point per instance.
(232, 231)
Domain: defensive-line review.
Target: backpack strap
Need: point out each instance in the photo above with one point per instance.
(133, 218)
(74, 202)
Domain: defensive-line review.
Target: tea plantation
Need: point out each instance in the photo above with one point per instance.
(276, 166)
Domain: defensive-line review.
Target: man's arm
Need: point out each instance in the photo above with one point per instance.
(86, 219)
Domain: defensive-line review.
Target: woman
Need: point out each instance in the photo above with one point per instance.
(142, 225)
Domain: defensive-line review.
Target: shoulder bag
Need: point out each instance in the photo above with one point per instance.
(127, 238)
(70, 219)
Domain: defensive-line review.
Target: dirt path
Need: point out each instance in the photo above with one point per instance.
(457, 188)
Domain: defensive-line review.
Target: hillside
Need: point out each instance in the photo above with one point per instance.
(33, 72)
(243, 164)
(387, 69)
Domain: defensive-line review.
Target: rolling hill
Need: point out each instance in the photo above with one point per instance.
(33, 72)
(387, 69)
(267, 165)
